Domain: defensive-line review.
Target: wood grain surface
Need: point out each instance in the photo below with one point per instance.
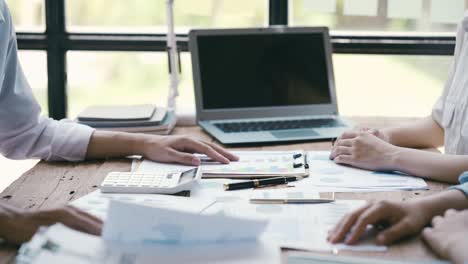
(54, 184)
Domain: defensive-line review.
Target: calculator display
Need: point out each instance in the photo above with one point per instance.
(188, 176)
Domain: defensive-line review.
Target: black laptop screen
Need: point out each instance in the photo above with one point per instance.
(240, 71)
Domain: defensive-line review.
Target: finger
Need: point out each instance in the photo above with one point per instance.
(344, 159)
(223, 152)
(341, 151)
(202, 148)
(427, 234)
(450, 212)
(437, 220)
(344, 143)
(373, 215)
(76, 221)
(184, 158)
(345, 225)
(396, 232)
(349, 135)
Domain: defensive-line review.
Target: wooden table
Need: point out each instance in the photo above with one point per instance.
(54, 184)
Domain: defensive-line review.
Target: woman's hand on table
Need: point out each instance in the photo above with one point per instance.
(181, 149)
(448, 236)
(364, 149)
(18, 226)
(400, 219)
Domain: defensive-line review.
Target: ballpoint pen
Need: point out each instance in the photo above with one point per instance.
(261, 183)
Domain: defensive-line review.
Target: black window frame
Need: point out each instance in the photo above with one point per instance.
(56, 41)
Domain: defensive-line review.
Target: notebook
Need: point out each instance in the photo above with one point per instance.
(164, 128)
(117, 112)
(158, 116)
(260, 164)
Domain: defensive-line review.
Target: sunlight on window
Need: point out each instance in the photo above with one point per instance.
(150, 16)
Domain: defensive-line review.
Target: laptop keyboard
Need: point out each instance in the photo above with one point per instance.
(236, 127)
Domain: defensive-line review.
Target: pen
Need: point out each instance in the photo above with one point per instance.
(333, 141)
(261, 183)
(291, 201)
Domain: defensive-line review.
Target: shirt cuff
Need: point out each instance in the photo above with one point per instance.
(71, 142)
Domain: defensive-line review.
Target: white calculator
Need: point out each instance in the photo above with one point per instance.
(150, 183)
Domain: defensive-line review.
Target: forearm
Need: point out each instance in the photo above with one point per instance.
(106, 144)
(437, 204)
(430, 165)
(424, 133)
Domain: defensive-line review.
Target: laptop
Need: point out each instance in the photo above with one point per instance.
(265, 85)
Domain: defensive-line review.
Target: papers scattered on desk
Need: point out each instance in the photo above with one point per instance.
(324, 175)
(97, 203)
(303, 226)
(155, 226)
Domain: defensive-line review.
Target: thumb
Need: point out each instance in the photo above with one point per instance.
(396, 232)
(184, 158)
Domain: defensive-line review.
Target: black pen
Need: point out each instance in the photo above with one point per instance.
(261, 183)
(333, 141)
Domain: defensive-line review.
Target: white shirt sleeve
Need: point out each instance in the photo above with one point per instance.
(438, 108)
(24, 133)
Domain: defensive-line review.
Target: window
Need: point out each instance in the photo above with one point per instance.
(125, 43)
(150, 16)
(28, 15)
(383, 85)
(384, 17)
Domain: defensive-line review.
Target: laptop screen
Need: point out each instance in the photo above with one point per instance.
(263, 70)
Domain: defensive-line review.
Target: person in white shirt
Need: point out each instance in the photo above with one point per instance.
(396, 148)
(24, 133)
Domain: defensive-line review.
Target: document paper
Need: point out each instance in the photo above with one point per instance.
(302, 226)
(326, 173)
(160, 226)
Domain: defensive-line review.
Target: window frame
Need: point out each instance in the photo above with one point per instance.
(56, 41)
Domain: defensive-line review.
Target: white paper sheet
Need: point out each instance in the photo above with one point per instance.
(325, 6)
(97, 203)
(300, 226)
(161, 226)
(326, 173)
(284, 193)
(213, 189)
(443, 11)
(405, 9)
(360, 7)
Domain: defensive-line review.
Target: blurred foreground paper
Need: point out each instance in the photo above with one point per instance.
(161, 226)
(60, 244)
(326, 6)
(443, 11)
(361, 7)
(405, 9)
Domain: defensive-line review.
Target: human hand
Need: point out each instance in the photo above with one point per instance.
(405, 219)
(180, 149)
(355, 132)
(365, 151)
(448, 236)
(19, 226)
